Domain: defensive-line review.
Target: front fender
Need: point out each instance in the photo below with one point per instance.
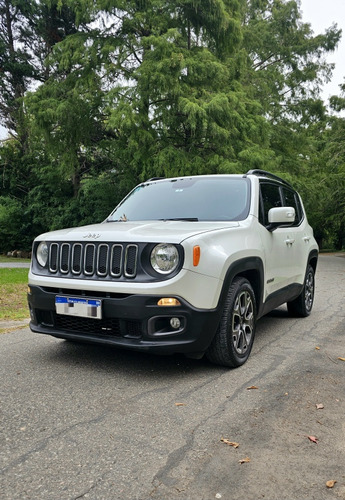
(251, 268)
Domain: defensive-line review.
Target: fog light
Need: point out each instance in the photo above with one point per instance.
(175, 323)
(168, 301)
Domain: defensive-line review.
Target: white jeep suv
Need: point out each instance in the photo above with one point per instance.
(182, 265)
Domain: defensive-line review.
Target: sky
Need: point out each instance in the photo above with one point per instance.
(321, 14)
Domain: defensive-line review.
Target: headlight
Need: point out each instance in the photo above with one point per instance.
(164, 258)
(42, 253)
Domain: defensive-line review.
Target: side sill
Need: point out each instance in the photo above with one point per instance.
(278, 298)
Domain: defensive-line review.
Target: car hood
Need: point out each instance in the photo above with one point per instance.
(146, 231)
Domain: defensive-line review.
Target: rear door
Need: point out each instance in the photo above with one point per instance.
(299, 234)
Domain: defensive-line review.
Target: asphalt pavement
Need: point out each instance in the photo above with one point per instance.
(14, 264)
(91, 422)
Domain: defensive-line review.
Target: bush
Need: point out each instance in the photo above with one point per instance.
(11, 223)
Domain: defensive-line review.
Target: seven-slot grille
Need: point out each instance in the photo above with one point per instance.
(106, 260)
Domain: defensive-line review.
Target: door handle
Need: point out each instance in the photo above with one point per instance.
(289, 241)
(306, 239)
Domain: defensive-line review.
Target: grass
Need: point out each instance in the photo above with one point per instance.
(13, 290)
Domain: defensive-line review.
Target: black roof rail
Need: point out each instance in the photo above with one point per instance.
(155, 179)
(264, 173)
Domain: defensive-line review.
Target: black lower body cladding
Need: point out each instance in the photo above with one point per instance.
(127, 321)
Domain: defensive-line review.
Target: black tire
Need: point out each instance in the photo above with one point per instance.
(303, 304)
(234, 339)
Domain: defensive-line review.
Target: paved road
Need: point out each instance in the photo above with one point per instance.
(84, 422)
(14, 264)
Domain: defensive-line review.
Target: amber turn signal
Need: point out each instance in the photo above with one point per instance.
(196, 255)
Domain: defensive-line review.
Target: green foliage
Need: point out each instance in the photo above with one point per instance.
(333, 155)
(99, 196)
(125, 90)
(286, 62)
(11, 234)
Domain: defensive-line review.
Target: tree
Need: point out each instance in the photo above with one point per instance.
(160, 79)
(333, 156)
(286, 63)
(124, 90)
(29, 30)
(16, 66)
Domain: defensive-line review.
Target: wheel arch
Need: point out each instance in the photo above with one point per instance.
(312, 259)
(253, 270)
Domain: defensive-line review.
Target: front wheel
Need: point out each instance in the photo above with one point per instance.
(234, 339)
(303, 304)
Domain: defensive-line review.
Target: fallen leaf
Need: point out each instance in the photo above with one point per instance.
(180, 404)
(319, 406)
(244, 460)
(317, 348)
(330, 484)
(313, 439)
(252, 387)
(230, 443)
(341, 359)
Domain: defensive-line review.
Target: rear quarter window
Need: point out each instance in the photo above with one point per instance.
(291, 199)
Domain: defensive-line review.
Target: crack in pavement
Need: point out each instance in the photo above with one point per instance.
(175, 458)
(44, 442)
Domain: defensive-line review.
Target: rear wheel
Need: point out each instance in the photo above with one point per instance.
(234, 339)
(303, 304)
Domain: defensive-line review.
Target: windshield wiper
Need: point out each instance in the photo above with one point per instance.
(187, 219)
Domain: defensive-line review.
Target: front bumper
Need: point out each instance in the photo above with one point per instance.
(128, 321)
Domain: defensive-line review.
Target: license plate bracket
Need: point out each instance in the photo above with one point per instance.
(77, 306)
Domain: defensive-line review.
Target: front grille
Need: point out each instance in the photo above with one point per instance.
(104, 260)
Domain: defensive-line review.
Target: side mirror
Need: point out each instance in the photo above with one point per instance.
(280, 216)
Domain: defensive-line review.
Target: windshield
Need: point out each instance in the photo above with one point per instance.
(215, 198)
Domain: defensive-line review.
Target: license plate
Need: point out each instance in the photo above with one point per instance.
(85, 308)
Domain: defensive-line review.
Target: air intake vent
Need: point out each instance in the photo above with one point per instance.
(77, 252)
(131, 261)
(64, 257)
(102, 260)
(89, 266)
